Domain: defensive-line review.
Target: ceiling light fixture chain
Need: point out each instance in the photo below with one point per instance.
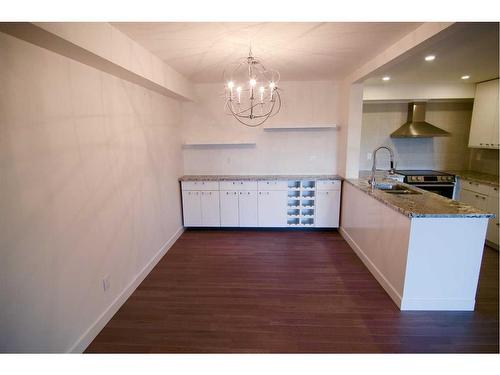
(251, 92)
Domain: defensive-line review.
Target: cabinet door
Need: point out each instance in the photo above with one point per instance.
(210, 210)
(327, 209)
(247, 202)
(228, 209)
(272, 208)
(484, 122)
(493, 224)
(191, 208)
(474, 199)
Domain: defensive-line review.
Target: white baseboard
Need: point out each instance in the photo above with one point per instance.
(437, 304)
(395, 296)
(89, 335)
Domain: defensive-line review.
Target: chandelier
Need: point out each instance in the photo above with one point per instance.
(251, 91)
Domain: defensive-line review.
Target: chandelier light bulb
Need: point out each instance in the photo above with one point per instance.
(238, 90)
(230, 86)
(253, 82)
(262, 89)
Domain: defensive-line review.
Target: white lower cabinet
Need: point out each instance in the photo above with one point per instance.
(248, 212)
(494, 223)
(191, 208)
(485, 198)
(273, 203)
(210, 209)
(327, 209)
(272, 208)
(229, 211)
(201, 208)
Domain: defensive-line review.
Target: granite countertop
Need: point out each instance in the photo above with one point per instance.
(482, 178)
(258, 177)
(426, 204)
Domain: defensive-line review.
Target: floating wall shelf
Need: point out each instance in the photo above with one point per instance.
(300, 127)
(219, 144)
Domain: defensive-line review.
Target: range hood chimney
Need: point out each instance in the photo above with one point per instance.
(415, 125)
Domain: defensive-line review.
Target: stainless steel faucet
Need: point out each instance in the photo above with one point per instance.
(374, 166)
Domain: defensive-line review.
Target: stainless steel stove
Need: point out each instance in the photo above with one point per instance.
(441, 183)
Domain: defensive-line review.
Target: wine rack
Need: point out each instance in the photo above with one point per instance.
(301, 203)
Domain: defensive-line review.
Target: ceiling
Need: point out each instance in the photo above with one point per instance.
(298, 50)
(463, 49)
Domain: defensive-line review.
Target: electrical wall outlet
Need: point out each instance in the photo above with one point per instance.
(369, 156)
(105, 283)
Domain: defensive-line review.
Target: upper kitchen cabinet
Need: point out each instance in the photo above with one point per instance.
(484, 124)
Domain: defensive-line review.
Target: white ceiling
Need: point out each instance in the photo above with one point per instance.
(298, 50)
(463, 49)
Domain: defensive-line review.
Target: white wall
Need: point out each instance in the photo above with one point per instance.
(88, 188)
(381, 119)
(275, 152)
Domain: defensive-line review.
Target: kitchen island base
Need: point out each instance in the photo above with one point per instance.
(423, 263)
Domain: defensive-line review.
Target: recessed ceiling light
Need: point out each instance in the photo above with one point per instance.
(465, 77)
(430, 58)
(386, 78)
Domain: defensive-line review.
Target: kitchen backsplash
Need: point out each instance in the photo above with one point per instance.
(381, 119)
(483, 160)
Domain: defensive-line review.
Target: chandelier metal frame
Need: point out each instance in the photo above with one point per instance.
(246, 97)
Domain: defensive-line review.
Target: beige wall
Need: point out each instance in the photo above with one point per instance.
(381, 119)
(275, 152)
(88, 188)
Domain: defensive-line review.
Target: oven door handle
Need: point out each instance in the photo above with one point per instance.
(433, 185)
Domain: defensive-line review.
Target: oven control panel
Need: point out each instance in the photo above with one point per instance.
(441, 179)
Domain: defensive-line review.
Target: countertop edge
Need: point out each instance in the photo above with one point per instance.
(469, 176)
(415, 215)
(257, 177)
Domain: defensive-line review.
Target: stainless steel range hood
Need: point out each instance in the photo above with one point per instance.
(416, 127)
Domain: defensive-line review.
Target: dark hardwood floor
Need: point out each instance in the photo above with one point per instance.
(285, 292)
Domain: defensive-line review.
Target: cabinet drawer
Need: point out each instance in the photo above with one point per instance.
(273, 185)
(328, 185)
(493, 191)
(200, 185)
(477, 187)
(238, 185)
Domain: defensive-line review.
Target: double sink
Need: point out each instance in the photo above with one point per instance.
(395, 188)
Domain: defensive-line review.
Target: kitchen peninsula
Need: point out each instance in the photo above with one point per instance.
(425, 250)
